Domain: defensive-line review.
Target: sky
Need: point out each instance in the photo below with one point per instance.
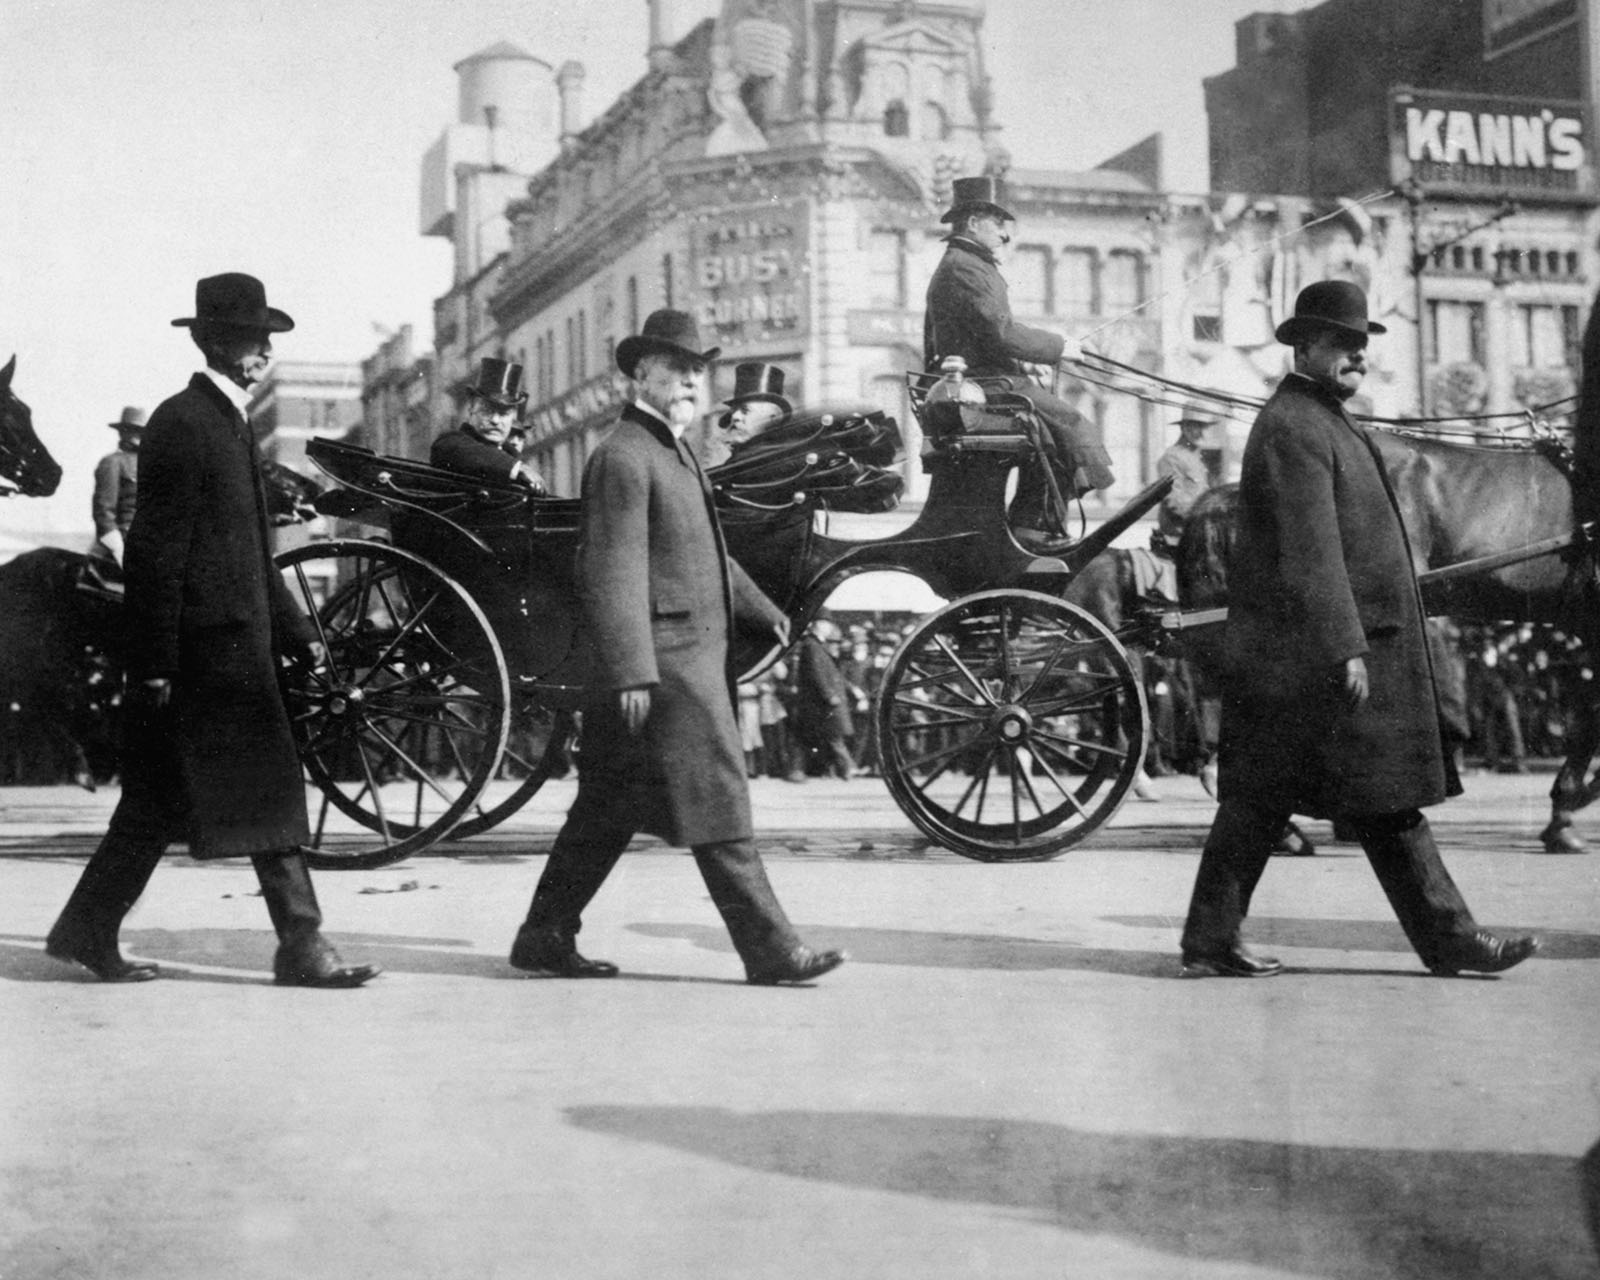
(147, 143)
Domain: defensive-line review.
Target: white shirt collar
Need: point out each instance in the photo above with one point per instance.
(677, 432)
(238, 397)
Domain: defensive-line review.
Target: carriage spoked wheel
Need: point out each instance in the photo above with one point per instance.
(405, 726)
(1011, 725)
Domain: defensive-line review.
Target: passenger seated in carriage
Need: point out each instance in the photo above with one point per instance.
(757, 403)
(484, 445)
(969, 315)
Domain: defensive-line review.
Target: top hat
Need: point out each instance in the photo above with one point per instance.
(132, 419)
(667, 332)
(498, 381)
(969, 195)
(1328, 304)
(753, 380)
(237, 300)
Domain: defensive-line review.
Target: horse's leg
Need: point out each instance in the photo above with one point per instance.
(1570, 791)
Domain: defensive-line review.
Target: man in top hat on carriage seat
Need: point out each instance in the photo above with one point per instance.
(1329, 704)
(661, 751)
(116, 487)
(969, 315)
(485, 444)
(209, 755)
(757, 403)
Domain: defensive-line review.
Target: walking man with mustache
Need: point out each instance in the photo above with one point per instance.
(1329, 707)
(661, 750)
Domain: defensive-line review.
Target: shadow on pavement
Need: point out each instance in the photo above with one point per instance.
(1337, 1212)
(1372, 935)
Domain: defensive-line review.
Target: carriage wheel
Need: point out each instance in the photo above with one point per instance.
(538, 748)
(1011, 725)
(404, 728)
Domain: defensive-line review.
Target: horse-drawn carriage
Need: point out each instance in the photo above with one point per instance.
(1010, 723)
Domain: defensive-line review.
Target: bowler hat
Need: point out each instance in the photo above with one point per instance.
(1328, 304)
(132, 419)
(667, 332)
(753, 380)
(236, 300)
(972, 195)
(498, 381)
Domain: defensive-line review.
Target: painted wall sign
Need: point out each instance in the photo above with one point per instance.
(750, 267)
(600, 395)
(1478, 145)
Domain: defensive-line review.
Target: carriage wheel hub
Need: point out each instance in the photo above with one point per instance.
(345, 701)
(1012, 723)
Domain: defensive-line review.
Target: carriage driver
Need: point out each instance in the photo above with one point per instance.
(969, 315)
(116, 483)
(485, 444)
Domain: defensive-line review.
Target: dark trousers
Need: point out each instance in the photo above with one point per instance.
(122, 865)
(1399, 847)
(588, 846)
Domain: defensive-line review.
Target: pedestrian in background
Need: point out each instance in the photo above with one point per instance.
(1329, 707)
(116, 488)
(659, 595)
(825, 718)
(210, 756)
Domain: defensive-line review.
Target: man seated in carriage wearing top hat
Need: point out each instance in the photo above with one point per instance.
(969, 315)
(484, 445)
(757, 403)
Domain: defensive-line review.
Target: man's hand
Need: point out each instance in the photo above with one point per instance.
(635, 707)
(157, 692)
(1355, 682)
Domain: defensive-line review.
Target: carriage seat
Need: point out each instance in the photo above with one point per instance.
(948, 426)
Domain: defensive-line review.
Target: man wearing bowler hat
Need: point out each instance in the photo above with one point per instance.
(484, 445)
(1329, 707)
(116, 487)
(659, 597)
(969, 315)
(208, 756)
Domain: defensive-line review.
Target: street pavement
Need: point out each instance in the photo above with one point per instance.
(1006, 1081)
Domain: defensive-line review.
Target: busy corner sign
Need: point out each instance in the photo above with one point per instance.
(750, 266)
(1476, 145)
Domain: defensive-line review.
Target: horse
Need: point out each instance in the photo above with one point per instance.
(26, 466)
(1460, 503)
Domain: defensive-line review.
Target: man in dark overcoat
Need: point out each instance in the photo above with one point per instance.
(661, 750)
(969, 315)
(825, 723)
(483, 445)
(1329, 706)
(209, 756)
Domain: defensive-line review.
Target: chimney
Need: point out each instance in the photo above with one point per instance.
(661, 34)
(569, 81)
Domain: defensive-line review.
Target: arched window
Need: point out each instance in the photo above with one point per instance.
(896, 120)
(935, 123)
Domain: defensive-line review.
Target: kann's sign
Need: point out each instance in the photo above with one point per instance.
(1475, 145)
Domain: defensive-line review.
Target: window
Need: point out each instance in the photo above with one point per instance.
(1544, 337)
(572, 353)
(633, 304)
(935, 123)
(896, 120)
(886, 268)
(1124, 282)
(1456, 333)
(540, 394)
(1075, 284)
(1029, 274)
(582, 359)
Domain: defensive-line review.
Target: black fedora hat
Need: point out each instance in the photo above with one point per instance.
(1328, 304)
(970, 195)
(236, 300)
(753, 380)
(672, 332)
(498, 381)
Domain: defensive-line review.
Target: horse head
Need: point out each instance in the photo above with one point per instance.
(290, 495)
(25, 465)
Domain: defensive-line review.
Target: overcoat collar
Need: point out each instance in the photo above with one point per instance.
(974, 248)
(658, 429)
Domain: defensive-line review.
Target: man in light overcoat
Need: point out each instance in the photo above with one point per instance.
(1329, 706)
(661, 750)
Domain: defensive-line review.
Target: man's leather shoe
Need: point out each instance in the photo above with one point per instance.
(1482, 952)
(1235, 962)
(800, 965)
(314, 963)
(98, 956)
(557, 961)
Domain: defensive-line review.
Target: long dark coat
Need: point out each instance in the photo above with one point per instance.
(659, 597)
(207, 610)
(462, 452)
(969, 315)
(1321, 572)
(824, 696)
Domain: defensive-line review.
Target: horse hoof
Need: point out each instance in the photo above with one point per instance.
(1562, 839)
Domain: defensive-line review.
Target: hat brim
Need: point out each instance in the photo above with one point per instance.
(272, 320)
(1297, 327)
(982, 206)
(766, 397)
(633, 349)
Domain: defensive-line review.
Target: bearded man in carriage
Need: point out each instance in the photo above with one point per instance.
(969, 315)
